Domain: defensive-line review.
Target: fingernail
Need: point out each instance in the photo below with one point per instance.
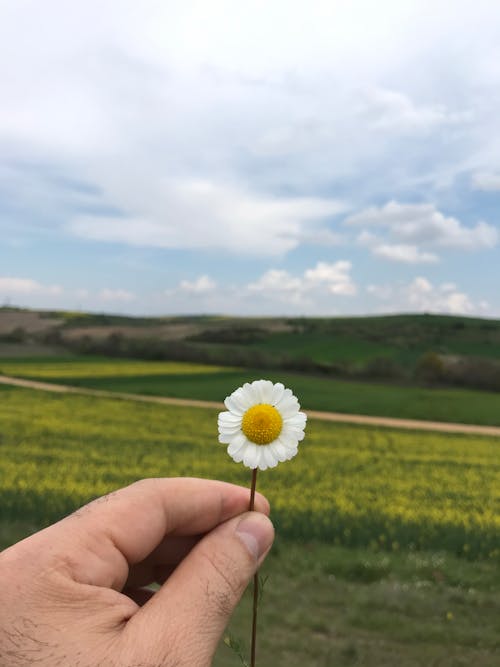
(256, 532)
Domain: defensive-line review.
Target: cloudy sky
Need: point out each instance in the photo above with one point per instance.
(250, 157)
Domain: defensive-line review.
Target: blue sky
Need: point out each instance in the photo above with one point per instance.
(252, 158)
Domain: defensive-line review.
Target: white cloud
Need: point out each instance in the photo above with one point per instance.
(117, 295)
(335, 277)
(26, 286)
(407, 254)
(200, 285)
(367, 238)
(392, 110)
(420, 295)
(488, 181)
(276, 281)
(198, 125)
(422, 225)
(323, 280)
(426, 297)
(183, 90)
(321, 237)
(203, 214)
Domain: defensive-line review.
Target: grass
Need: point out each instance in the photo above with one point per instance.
(325, 607)
(342, 607)
(358, 340)
(322, 347)
(359, 349)
(383, 586)
(213, 382)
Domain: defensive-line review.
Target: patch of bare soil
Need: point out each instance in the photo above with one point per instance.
(31, 322)
(29, 349)
(174, 331)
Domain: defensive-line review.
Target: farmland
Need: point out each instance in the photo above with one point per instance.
(351, 486)
(403, 523)
(401, 350)
(209, 382)
(388, 541)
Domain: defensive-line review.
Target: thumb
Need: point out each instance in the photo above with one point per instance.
(186, 618)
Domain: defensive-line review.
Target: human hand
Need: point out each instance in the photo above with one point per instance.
(72, 595)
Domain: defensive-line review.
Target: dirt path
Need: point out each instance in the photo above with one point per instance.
(365, 420)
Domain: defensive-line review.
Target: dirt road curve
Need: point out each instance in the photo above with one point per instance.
(391, 422)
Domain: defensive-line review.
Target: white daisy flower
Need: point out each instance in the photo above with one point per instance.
(263, 424)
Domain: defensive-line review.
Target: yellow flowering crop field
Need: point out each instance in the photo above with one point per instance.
(84, 368)
(209, 382)
(351, 486)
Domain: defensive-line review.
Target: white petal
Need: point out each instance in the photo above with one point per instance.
(279, 450)
(291, 449)
(287, 393)
(261, 464)
(247, 394)
(264, 388)
(234, 406)
(236, 444)
(230, 428)
(288, 407)
(228, 418)
(291, 433)
(278, 390)
(227, 438)
(285, 399)
(269, 457)
(256, 384)
(238, 456)
(241, 399)
(298, 420)
(229, 422)
(228, 435)
(251, 393)
(251, 456)
(290, 428)
(288, 443)
(288, 440)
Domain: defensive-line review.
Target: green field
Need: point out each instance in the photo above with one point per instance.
(403, 338)
(388, 541)
(352, 339)
(214, 383)
(339, 607)
(398, 351)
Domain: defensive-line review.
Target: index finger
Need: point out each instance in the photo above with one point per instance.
(100, 541)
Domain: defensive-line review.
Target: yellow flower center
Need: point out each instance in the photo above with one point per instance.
(262, 424)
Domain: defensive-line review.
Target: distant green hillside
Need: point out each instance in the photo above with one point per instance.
(429, 349)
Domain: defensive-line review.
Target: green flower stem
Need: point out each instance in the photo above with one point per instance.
(252, 490)
(255, 578)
